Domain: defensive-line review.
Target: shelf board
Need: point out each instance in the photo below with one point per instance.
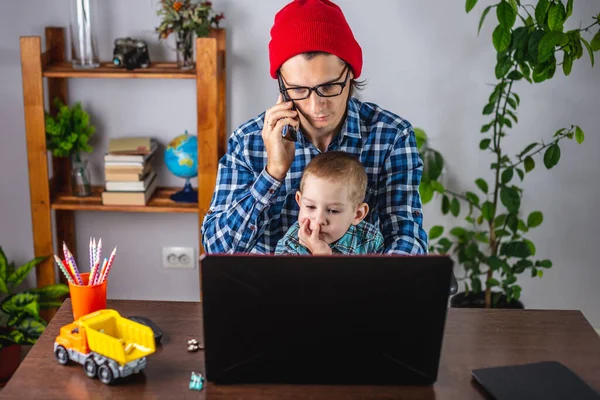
(163, 70)
(159, 203)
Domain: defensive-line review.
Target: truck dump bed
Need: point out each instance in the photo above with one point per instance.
(116, 337)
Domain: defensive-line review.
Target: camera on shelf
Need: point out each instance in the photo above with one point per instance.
(131, 53)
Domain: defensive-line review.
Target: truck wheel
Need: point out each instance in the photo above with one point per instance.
(105, 374)
(62, 356)
(90, 368)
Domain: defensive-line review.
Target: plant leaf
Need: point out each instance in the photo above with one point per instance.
(506, 15)
(483, 15)
(21, 303)
(541, 11)
(515, 249)
(567, 63)
(487, 210)
(547, 44)
(595, 43)
(470, 4)
(556, 17)
(458, 231)
(501, 38)
(19, 275)
(510, 198)
(426, 191)
(535, 219)
(484, 144)
(531, 246)
(455, 207)
(544, 264)
(435, 232)
(579, 136)
(527, 149)
(494, 262)
(534, 43)
(3, 272)
(552, 156)
(51, 292)
(512, 222)
(445, 204)
(421, 137)
(472, 197)
(488, 109)
(504, 65)
(589, 49)
(517, 98)
(492, 282)
(31, 329)
(529, 164)
(507, 175)
(569, 8)
(50, 304)
(515, 76)
(482, 184)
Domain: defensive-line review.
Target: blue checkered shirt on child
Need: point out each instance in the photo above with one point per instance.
(251, 211)
(363, 238)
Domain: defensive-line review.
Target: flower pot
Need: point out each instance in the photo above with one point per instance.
(462, 300)
(10, 358)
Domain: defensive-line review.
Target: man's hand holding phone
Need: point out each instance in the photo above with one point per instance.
(280, 151)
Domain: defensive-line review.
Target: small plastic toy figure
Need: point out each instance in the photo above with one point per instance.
(193, 345)
(196, 381)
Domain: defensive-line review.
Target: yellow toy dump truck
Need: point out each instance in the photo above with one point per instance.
(107, 345)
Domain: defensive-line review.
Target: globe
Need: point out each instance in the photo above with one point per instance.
(181, 158)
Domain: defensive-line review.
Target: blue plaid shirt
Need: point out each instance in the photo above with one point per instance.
(363, 238)
(251, 211)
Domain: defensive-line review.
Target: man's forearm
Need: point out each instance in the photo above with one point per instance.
(235, 226)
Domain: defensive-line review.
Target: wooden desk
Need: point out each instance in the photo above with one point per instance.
(473, 339)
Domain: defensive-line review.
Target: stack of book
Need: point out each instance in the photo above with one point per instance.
(129, 176)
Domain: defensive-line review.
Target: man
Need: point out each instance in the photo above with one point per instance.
(316, 59)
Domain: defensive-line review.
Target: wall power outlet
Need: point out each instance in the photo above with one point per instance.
(178, 257)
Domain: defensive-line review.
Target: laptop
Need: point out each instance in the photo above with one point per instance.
(373, 319)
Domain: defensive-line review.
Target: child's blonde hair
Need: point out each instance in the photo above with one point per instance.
(339, 165)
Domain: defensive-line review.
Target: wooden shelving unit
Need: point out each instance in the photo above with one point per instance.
(108, 70)
(159, 203)
(55, 194)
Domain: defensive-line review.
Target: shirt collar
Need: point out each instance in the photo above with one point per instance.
(351, 127)
(346, 242)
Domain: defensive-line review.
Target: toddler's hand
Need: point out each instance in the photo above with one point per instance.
(311, 240)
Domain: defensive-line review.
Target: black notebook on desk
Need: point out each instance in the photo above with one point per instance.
(549, 380)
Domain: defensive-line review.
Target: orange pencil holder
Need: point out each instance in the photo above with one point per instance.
(87, 299)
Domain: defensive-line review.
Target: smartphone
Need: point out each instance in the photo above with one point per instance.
(289, 132)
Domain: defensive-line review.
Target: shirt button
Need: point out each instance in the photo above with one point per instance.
(252, 227)
(209, 212)
(417, 213)
(271, 191)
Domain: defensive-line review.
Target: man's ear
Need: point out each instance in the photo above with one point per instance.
(298, 197)
(361, 212)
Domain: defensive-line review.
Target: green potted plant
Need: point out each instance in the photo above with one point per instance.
(67, 135)
(186, 18)
(20, 321)
(493, 245)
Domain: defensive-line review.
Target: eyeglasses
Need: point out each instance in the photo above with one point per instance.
(323, 90)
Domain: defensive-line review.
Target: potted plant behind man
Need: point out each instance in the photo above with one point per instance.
(531, 43)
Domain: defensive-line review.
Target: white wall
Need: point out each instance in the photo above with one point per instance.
(423, 60)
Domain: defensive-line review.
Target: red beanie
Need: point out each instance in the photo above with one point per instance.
(312, 25)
